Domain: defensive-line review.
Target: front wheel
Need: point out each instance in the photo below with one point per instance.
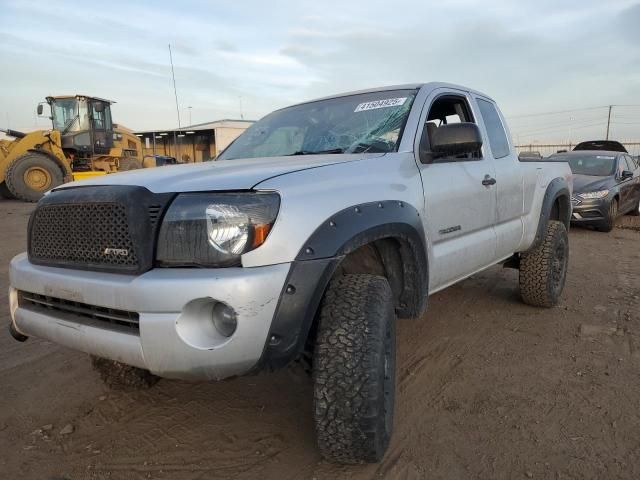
(31, 175)
(543, 270)
(354, 369)
(610, 220)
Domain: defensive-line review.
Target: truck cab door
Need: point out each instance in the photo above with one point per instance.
(509, 179)
(460, 198)
(101, 126)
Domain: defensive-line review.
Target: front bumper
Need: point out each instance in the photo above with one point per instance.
(175, 337)
(589, 211)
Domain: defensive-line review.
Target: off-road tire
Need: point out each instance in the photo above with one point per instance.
(118, 376)
(354, 369)
(610, 220)
(126, 164)
(15, 176)
(4, 192)
(543, 270)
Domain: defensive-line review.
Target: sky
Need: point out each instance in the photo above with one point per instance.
(245, 58)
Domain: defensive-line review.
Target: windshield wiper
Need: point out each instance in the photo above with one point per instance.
(319, 152)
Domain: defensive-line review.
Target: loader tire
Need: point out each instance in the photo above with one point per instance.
(118, 376)
(126, 164)
(4, 191)
(543, 270)
(354, 369)
(31, 175)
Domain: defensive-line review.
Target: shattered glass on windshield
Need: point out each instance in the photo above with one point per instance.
(368, 122)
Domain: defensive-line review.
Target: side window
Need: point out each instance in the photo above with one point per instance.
(495, 129)
(98, 116)
(446, 110)
(631, 166)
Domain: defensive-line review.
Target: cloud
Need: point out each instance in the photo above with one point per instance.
(531, 56)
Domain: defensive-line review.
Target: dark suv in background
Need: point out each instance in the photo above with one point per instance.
(606, 184)
(608, 145)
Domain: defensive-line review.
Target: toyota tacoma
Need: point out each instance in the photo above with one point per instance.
(304, 241)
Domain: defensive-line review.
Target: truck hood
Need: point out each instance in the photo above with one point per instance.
(240, 174)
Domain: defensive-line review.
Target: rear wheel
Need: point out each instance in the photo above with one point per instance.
(126, 164)
(31, 175)
(543, 270)
(610, 220)
(354, 369)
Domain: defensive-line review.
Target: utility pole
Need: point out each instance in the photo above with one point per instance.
(175, 93)
(190, 121)
(609, 121)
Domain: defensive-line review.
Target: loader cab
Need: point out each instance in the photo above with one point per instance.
(84, 124)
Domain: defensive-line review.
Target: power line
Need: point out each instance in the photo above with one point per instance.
(556, 123)
(557, 112)
(175, 91)
(540, 114)
(564, 126)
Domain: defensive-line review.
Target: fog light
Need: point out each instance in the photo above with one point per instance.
(224, 319)
(206, 323)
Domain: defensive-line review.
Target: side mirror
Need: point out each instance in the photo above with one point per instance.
(40, 109)
(626, 174)
(455, 139)
(98, 107)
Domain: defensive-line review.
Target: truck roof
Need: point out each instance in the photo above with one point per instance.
(62, 97)
(406, 86)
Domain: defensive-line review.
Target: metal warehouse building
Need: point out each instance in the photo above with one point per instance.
(195, 143)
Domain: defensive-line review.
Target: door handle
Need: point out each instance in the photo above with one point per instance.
(488, 181)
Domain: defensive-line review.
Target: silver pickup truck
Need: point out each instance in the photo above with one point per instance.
(303, 241)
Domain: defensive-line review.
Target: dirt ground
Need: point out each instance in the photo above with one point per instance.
(488, 388)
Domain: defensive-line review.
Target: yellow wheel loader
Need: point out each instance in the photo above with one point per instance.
(82, 143)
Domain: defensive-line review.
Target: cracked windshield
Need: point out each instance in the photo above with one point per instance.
(369, 122)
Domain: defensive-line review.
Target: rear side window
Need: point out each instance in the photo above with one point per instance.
(631, 166)
(495, 130)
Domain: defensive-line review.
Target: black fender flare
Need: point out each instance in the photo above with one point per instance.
(321, 254)
(557, 189)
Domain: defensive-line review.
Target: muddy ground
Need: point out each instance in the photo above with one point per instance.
(488, 388)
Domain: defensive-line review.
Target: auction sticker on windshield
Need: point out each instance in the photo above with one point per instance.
(388, 102)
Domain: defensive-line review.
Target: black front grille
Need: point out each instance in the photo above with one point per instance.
(101, 228)
(42, 303)
(154, 213)
(92, 233)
